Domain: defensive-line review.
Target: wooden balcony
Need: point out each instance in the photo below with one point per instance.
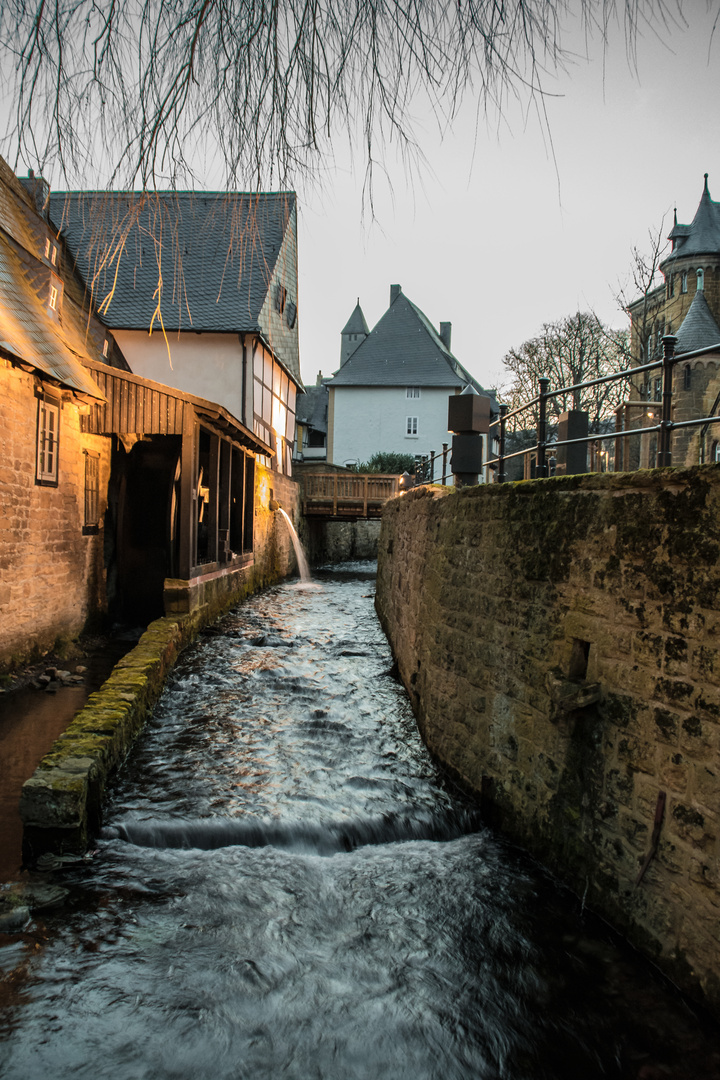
(347, 496)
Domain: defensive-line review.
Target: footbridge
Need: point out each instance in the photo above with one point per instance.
(347, 496)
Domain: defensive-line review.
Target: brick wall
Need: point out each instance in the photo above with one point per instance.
(51, 576)
(560, 641)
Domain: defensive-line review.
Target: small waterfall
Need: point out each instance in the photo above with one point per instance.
(299, 553)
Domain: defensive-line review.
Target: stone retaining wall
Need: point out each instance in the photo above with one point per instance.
(560, 641)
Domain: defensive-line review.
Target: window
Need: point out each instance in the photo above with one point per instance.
(291, 314)
(687, 377)
(700, 279)
(669, 286)
(683, 283)
(658, 383)
(106, 346)
(411, 426)
(53, 297)
(51, 251)
(413, 392)
(92, 493)
(47, 442)
(280, 298)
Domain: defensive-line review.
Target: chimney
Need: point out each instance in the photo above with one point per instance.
(318, 381)
(395, 291)
(39, 189)
(445, 332)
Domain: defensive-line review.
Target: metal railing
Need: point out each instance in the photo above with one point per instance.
(664, 429)
(426, 464)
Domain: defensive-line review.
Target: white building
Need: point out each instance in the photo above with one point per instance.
(391, 391)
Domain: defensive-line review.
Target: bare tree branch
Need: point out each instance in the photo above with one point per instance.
(267, 84)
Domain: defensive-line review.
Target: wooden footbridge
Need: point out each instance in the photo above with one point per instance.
(347, 496)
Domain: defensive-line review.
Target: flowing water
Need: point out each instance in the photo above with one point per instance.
(287, 887)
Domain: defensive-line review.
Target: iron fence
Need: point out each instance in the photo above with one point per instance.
(664, 428)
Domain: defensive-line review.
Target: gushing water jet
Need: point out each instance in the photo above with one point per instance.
(302, 562)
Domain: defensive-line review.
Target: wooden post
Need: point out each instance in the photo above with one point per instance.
(335, 494)
(188, 495)
(214, 486)
(365, 498)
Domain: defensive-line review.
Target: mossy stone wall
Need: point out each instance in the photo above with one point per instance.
(560, 641)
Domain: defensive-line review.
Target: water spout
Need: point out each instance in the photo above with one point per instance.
(299, 553)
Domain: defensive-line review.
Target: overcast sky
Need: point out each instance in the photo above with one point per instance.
(498, 237)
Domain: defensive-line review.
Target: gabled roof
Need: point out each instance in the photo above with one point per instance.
(698, 329)
(183, 260)
(402, 349)
(312, 408)
(356, 324)
(31, 334)
(702, 236)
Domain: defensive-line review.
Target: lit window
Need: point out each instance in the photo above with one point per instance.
(48, 247)
(47, 442)
(92, 493)
(53, 297)
(411, 426)
(412, 392)
(106, 346)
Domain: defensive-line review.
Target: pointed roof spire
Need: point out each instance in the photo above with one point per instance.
(356, 324)
(702, 236)
(698, 329)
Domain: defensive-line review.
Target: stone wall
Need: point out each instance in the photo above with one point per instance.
(560, 641)
(339, 541)
(51, 575)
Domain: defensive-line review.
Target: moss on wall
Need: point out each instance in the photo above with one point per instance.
(560, 642)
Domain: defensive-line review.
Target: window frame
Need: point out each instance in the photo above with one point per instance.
(48, 409)
(412, 392)
(411, 427)
(91, 518)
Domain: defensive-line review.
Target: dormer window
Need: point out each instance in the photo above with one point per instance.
(280, 298)
(53, 298)
(290, 314)
(51, 251)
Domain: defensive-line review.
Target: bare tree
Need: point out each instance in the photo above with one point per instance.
(574, 350)
(641, 294)
(158, 85)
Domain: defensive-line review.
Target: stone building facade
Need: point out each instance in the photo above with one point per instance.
(686, 305)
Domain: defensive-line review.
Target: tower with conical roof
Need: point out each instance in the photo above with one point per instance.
(687, 305)
(353, 333)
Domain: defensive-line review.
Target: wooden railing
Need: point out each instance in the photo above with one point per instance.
(347, 494)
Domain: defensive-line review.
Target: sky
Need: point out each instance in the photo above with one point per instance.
(501, 231)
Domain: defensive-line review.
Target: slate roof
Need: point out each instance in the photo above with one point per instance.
(30, 333)
(312, 408)
(356, 324)
(702, 236)
(698, 329)
(214, 254)
(403, 349)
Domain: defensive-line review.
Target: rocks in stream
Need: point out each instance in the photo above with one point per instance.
(21, 899)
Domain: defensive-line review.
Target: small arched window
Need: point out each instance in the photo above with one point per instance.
(687, 377)
(715, 453)
(683, 282)
(700, 278)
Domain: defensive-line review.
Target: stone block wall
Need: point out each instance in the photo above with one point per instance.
(51, 576)
(560, 641)
(339, 541)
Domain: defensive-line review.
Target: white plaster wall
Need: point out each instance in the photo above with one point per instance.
(368, 420)
(207, 365)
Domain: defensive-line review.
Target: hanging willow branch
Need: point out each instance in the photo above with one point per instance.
(157, 86)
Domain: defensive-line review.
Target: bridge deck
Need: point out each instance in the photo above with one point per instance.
(347, 495)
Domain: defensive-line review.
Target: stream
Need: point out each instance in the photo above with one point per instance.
(287, 886)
